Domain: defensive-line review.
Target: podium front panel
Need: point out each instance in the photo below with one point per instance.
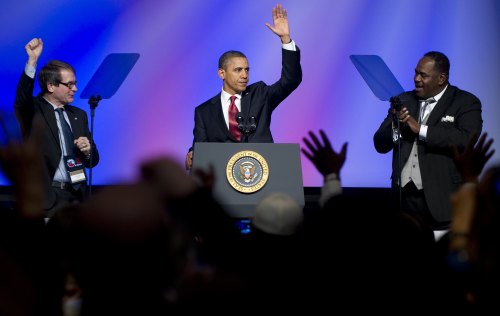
(284, 173)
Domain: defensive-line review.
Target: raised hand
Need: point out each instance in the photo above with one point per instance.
(22, 164)
(168, 178)
(471, 161)
(280, 27)
(189, 160)
(323, 156)
(34, 50)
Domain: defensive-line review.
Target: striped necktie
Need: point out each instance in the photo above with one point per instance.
(424, 113)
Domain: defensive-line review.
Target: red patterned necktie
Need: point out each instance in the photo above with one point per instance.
(233, 125)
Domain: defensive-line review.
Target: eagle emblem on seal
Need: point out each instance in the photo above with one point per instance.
(247, 171)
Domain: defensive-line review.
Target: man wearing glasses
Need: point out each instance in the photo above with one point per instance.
(65, 144)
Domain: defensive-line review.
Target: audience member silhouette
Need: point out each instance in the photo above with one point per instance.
(469, 251)
(159, 245)
(367, 252)
(29, 269)
(274, 263)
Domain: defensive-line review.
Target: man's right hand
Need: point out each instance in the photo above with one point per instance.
(34, 50)
(189, 160)
(280, 21)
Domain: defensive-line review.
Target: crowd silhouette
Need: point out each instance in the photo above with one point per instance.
(164, 244)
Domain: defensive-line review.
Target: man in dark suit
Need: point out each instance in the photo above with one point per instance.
(63, 162)
(256, 102)
(432, 117)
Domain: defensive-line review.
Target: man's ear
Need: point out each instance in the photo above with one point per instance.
(221, 73)
(50, 87)
(443, 78)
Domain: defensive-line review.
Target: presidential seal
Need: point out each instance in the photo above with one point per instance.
(247, 171)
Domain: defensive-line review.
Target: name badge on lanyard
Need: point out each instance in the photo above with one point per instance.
(75, 169)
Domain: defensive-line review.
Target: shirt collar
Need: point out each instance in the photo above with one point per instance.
(440, 94)
(55, 107)
(226, 96)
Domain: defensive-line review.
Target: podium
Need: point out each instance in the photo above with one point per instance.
(247, 172)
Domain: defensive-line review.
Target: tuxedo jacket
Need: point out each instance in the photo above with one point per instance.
(455, 117)
(28, 108)
(258, 100)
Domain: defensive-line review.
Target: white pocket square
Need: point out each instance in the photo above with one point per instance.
(448, 118)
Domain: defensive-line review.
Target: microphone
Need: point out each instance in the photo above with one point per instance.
(239, 120)
(246, 126)
(252, 125)
(396, 103)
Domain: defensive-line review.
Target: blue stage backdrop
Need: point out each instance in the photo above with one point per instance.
(179, 43)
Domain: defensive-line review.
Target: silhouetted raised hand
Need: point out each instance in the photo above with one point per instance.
(471, 161)
(323, 156)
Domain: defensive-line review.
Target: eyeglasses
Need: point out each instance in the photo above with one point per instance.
(70, 84)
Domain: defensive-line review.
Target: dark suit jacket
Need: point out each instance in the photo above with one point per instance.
(455, 117)
(258, 100)
(27, 109)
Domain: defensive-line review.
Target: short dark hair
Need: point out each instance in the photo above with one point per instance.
(224, 58)
(441, 62)
(51, 73)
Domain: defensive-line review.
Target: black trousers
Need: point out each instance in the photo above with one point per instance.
(65, 196)
(413, 203)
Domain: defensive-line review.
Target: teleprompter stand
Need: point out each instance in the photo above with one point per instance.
(104, 84)
(386, 87)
